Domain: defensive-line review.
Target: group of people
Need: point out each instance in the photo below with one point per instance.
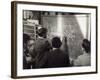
(43, 53)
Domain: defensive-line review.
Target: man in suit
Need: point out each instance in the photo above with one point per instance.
(57, 57)
(41, 46)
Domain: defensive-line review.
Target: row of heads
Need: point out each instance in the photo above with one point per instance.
(56, 42)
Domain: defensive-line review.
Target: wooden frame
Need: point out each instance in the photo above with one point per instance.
(17, 6)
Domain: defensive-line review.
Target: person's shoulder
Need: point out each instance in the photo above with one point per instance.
(81, 57)
(50, 53)
(40, 40)
(62, 51)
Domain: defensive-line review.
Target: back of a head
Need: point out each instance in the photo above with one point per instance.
(86, 45)
(56, 42)
(42, 32)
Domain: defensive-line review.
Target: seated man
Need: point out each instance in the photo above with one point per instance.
(85, 58)
(57, 57)
(30, 46)
(26, 56)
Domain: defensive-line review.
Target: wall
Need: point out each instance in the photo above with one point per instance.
(5, 40)
(66, 25)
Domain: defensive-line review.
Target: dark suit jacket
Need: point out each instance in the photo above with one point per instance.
(57, 58)
(41, 46)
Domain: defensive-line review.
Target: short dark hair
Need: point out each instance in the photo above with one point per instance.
(26, 38)
(42, 31)
(56, 42)
(86, 45)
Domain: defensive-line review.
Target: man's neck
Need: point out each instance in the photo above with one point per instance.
(54, 48)
(40, 37)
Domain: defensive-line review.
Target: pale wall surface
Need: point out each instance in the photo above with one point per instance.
(5, 40)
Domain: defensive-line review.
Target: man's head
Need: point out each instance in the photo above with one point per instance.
(86, 45)
(42, 32)
(30, 45)
(56, 42)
